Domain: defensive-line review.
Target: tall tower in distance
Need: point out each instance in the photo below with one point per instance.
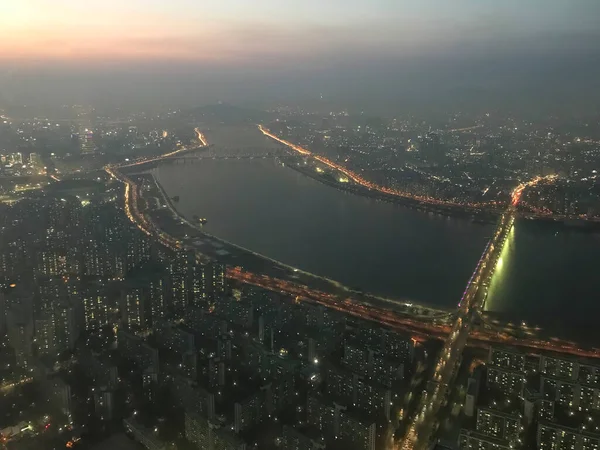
(86, 141)
(86, 135)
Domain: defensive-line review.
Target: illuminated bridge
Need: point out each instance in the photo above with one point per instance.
(423, 425)
(193, 158)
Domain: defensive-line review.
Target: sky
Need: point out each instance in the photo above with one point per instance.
(242, 31)
(230, 41)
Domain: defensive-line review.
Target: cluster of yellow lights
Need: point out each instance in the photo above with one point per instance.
(358, 179)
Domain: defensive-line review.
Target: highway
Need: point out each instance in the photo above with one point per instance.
(423, 425)
(454, 130)
(424, 200)
(131, 200)
(356, 178)
(131, 196)
(201, 137)
(421, 327)
(164, 156)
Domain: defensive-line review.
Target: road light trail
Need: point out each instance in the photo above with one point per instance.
(422, 426)
(131, 194)
(362, 181)
(517, 193)
(201, 137)
(454, 130)
(395, 320)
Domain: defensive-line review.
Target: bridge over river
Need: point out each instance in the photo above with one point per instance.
(422, 427)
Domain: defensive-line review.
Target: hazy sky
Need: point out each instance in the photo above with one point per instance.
(298, 38)
(238, 31)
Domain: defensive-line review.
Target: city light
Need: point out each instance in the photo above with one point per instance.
(359, 179)
(455, 334)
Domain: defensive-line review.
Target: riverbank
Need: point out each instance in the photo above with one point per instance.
(477, 216)
(236, 255)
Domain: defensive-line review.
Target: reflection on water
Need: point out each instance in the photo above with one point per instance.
(549, 277)
(492, 302)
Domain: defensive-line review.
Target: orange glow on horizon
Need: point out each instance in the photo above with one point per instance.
(47, 47)
(202, 46)
(37, 31)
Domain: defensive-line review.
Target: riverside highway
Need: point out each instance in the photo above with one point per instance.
(420, 327)
(201, 137)
(359, 180)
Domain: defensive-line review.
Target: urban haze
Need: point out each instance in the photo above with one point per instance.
(340, 225)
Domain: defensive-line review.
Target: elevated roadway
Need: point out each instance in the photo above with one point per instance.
(423, 425)
(218, 157)
(201, 137)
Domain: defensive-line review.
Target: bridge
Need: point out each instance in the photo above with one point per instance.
(220, 157)
(423, 425)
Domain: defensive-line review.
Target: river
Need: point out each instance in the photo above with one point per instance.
(547, 274)
(379, 247)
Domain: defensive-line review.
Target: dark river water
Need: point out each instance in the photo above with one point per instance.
(377, 247)
(548, 275)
